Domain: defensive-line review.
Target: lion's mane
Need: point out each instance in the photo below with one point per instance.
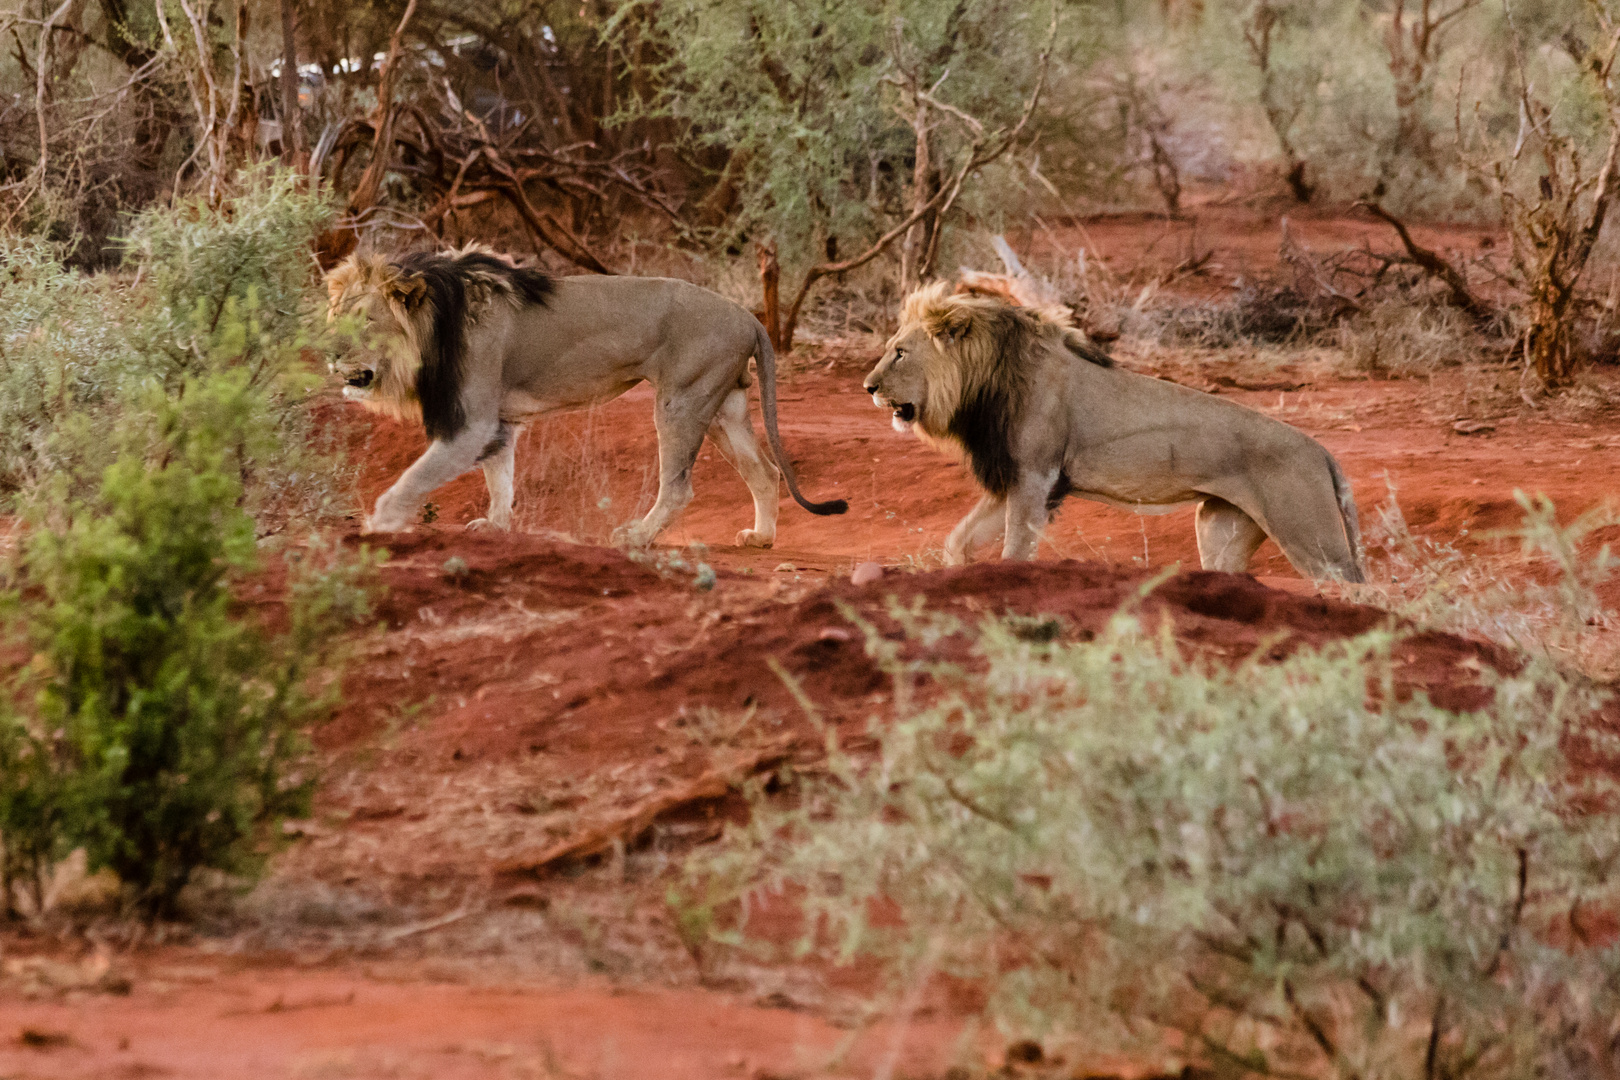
(982, 374)
(433, 297)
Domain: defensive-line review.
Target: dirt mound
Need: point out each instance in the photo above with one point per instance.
(531, 697)
(1227, 615)
(522, 645)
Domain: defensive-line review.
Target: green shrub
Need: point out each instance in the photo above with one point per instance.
(175, 719)
(153, 430)
(212, 289)
(64, 347)
(1285, 862)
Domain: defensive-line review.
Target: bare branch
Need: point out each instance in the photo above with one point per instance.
(1457, 285)
(983, 152)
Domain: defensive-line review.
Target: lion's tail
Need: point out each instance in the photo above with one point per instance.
(1347, 512)
(766, 357)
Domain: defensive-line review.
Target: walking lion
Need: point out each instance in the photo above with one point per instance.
(475, 346)
(1040, 414)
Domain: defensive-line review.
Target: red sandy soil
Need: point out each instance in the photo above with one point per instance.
(543, 688)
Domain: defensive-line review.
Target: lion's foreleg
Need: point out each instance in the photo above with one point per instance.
(500, 463)
(444, 460)
(1026, 512)
(983, 524)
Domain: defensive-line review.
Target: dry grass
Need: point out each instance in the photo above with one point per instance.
(1403, 338)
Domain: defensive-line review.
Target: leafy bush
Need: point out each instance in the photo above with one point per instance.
(1297, 870)
(63, 348)
(214, 289)
(1559, 615)
(173, 720)
(154, 430)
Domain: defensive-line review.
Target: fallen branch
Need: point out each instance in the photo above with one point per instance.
(629, 826)
(1428, 260)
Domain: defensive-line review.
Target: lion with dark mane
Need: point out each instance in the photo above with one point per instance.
(475, 346)
(1040, 414)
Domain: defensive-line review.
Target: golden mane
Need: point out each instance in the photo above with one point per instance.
(361, 276)
(982, 345)
(985, 358)
(432, 297)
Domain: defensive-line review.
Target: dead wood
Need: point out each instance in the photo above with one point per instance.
(770, 277)
(1456, 285)
(627, 827)
(336, 243)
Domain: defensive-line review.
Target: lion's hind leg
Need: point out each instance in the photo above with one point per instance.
(1227, 537)
(732, 433)
(499, 462)
(682, 420)
(1301, 512)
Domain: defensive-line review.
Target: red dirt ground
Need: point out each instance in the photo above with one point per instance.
(544, 688)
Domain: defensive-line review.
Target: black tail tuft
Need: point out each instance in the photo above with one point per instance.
(825, 509)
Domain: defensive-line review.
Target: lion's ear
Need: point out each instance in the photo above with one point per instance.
(410, 291)
(952, 322)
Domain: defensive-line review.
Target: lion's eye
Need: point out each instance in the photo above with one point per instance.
(899, 355)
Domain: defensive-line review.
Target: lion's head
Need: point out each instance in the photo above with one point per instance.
(380, 369)
(958, 371)
(414, 314)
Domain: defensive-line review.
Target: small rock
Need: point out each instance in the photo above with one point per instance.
(866, 573)
(43, 1039)
(1473, 427)
(785, 568)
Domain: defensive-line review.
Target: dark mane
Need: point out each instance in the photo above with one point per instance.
(1086, 349)
(993, 400)
(450, 277)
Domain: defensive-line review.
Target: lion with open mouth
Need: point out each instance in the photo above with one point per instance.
(1040, 414)
(475, 346)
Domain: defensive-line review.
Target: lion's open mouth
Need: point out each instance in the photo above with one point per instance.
(905, 413)
(362, 380)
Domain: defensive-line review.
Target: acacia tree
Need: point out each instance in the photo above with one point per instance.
(1414, 38)
(832, 125)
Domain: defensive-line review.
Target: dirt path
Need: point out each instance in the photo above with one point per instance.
(220, 1021)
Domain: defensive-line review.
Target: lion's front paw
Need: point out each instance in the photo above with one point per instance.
(755, 538)
(378, 523)
(481, 524)
(956, 556)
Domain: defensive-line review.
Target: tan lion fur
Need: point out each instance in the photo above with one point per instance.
(476, 346)
(1040, 413)
(349, 286)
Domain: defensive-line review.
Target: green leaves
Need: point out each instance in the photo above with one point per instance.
(159, 724)
(1120, 840)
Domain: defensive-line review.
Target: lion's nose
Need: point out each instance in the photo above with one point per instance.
(870, 388)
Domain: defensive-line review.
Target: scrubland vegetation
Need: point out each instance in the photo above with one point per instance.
(1283, 860)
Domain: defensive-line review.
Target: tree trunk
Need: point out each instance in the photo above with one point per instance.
(914, 248)
(770, 278)
(292, 122)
